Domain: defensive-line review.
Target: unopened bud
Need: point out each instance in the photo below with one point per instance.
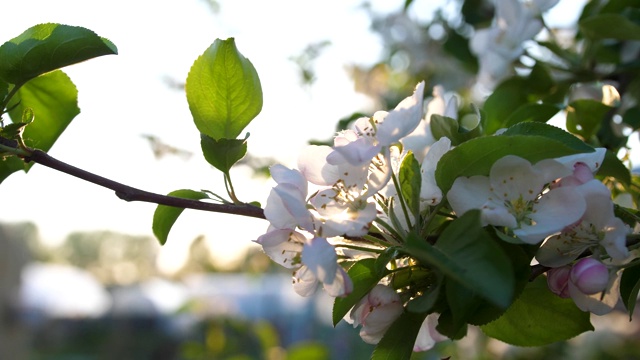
(558, 281)
(590, 276)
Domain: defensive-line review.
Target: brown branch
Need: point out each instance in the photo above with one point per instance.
(129, 193)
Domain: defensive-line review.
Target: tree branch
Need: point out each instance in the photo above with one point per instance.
(129, 193)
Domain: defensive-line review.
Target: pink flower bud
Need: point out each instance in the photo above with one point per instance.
(558, 280)
(590, 276)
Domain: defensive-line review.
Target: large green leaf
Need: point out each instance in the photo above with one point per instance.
(532, 112)
(53, 98)
(223, 91)
(364, 276)
(165, 216)
(504, 100)
(46, 47)
(539, 317)
(610, 26)
(398, 341)
(465, 253)
(548, 131)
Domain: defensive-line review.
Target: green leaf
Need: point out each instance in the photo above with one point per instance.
(629, 287)
(425, 302)
(610, 26)
(463, 303)
(540, 80)
(584, 117)
(632, 117)
(539, 317)
(476, 156)
(364, 276)
(532, 112)
(384, 258)
(520, 261)
(458, 46)
(223, 91)
(46, 47)
(614, 167)
(548, 131)
(165, 216)
(53, 99)
(410, 182)
(504, 100)
(223, 153)
(467, 254)
(398, 341)
(449, 127)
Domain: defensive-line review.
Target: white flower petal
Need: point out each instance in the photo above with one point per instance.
(281, 174)
(469, 193)
(320, 257)
(556, 209)
(305, 282)
(341, 285)
(283, 246)
(313, 165)
(402, 120)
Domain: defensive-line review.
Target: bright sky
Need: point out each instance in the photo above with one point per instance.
(125, 96)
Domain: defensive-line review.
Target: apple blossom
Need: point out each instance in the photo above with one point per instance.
(430, 193)
(514, 195)
(283, 246)
(598, 227)
(428, 336)
(589, 283)
(420, 139)
(376, 311)
(498, 46)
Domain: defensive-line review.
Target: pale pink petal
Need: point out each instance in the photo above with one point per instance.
(556, 209)
(320, 257)
(341, 285)
(358, 152)
(402, 120)
(276, 212)
(561, 249)
(305, 282)
(428, 336)
(281, 174)
(469, 193)
(596, 303)
(314, 167)
(294, 203)
(429, 190)
(283, 246)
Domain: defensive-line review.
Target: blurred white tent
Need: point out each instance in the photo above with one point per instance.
(62, 291)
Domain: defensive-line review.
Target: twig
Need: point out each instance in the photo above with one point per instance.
(129, 193)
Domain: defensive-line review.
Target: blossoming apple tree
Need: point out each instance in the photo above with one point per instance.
(426, 218)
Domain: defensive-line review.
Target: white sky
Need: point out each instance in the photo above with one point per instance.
(125, 96)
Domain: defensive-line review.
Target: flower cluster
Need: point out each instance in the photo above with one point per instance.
(498, 46)
(353, 188)
(559, 201)
(376, 188)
